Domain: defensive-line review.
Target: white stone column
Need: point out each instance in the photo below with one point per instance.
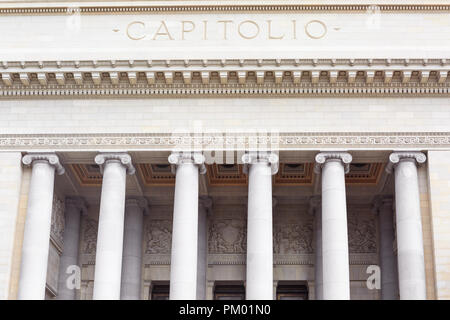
(74, 208)
(316, 209)
(135, 208)
(260, 167)
(183, 264)
(335, 262)
(205, 204)
(108, 260)
(411, 264)
(388, 264)
(36, 239)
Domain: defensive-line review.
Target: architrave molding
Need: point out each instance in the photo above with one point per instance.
(233, 141)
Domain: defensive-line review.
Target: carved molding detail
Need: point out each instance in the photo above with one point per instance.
(226, 77)
(229, 7)
(90, 227)
(361, 233)
(236, 142)
(58, 222)
(158, 235)
(293, 238)
(227, 236)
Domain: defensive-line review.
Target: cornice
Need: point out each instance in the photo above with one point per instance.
(251, 77)
(112, 7)
(235, 141)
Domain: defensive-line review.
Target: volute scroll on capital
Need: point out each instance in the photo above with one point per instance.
(177, 158)
(322, 157)
(77, 202)
(51, 158)
(395, 158)
(123, 158)
(261, 156)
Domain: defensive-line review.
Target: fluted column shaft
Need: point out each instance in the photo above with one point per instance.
(410, 253)
(259, 281)
(336, 273)
(74, 207)
(108, 261)
(202, 248)
(132, 249)
(388, 263)
(35, 247)
(183, 264)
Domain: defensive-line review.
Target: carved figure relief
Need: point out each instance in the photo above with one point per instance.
(293, 238)
(58, 221)
(90, 236)
(227, 236)
(159, 237)
(361, 233)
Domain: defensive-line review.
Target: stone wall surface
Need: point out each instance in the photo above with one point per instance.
(173, 115)
(10, 184)
(439, 184)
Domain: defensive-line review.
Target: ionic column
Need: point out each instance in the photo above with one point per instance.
(74, 208)
(411, 264)
(315, 204)
(183, 264)
(33, 269)
(260, 167)
(335, 263)
(388, 264)
(108, 261)
(205, 204)
(132, 248)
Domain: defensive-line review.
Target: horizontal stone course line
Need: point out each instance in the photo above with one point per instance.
(221, 8)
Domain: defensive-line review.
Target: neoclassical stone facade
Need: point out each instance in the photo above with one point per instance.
(215, 150)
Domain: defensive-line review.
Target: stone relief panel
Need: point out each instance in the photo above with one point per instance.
(58, 221)
(293, 238)
(90, 228)
(158, 237)
(361, 231)
(227, 236)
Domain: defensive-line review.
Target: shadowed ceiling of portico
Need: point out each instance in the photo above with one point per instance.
(295, 174)
(295, 181)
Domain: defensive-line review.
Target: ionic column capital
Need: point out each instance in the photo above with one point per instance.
(78, 203)
(139, 202)
(178, 158)
(396, 157)
(382, 201)
(322, 157)
(257, 157)
(51, 158)
(123, 158)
